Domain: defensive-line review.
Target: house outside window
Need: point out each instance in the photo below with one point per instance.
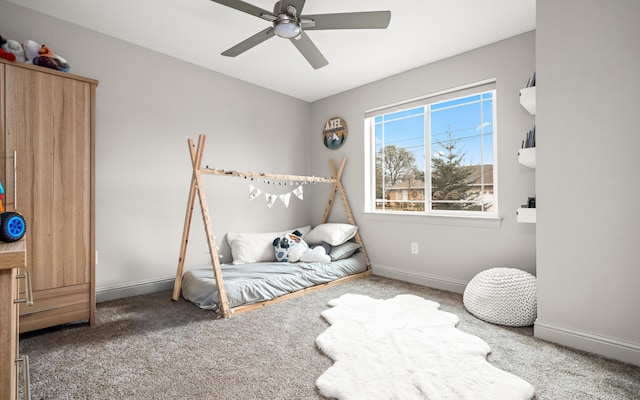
(434, 155)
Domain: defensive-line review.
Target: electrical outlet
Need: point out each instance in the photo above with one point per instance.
(414, 248)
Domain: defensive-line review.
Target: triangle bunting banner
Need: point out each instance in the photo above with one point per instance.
(271, 198)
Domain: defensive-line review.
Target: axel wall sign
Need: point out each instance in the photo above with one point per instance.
(334, 133)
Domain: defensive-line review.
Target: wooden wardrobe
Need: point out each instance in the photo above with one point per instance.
(48, 124)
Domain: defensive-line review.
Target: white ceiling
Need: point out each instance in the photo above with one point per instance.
(197, 31)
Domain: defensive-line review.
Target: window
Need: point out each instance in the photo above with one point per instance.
(434, 155)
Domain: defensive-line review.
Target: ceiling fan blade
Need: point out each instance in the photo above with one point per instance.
(249, 43)
(248, 8)
(356, 20)
(309, 51)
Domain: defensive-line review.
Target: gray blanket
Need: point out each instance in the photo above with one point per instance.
(256, 282)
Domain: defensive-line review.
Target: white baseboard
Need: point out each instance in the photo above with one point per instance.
(434, 281)
(119, 291)
(612, 348)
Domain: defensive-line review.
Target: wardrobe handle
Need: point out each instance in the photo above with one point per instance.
(29, 291)
(15, 180)
(26, 382)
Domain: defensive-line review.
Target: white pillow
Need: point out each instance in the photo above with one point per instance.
(345, 250)
(256, 247)
(332, 233)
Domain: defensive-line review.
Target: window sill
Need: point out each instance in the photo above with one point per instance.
(484, 221)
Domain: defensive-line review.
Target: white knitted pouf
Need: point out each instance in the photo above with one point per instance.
(505, 296)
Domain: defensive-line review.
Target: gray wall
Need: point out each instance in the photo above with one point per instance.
(452, 250)
(148, 105)
(587, 176)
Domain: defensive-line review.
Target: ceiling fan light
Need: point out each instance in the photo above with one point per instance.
(287, 29)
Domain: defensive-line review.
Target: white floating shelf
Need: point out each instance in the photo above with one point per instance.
(527, 157)
(526, 215)
(528, 99)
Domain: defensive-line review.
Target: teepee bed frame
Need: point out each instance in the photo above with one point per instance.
(196, 189)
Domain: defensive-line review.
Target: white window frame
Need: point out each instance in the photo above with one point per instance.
(370, 152)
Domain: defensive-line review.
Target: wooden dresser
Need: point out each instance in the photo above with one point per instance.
(12, 258)
(47, 130)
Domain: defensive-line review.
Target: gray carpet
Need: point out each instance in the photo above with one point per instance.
(149, 347)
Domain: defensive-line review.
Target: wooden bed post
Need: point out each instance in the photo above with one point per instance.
(337, 187)
(197, 188)
(187, 225)
(337, 175)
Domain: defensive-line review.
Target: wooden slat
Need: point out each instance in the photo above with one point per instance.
(352, 220)
(262, 175)
(292, 295)
(337, 175)
(187, 224)
(211, 241)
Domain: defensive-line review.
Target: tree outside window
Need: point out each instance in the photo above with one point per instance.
(449, 141)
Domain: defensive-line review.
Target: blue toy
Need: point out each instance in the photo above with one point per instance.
(12, 224)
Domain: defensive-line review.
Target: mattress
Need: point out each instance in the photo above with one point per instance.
(256, 282)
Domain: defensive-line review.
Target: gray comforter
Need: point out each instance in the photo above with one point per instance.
(256, 282)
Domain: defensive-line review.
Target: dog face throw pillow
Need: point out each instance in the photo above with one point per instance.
(289, 247)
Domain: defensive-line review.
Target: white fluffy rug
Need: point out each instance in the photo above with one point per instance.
(405, 348)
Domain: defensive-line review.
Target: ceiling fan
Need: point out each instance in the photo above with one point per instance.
(287, 22)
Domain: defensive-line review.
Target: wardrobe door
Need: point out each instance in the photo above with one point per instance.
(48, 125)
